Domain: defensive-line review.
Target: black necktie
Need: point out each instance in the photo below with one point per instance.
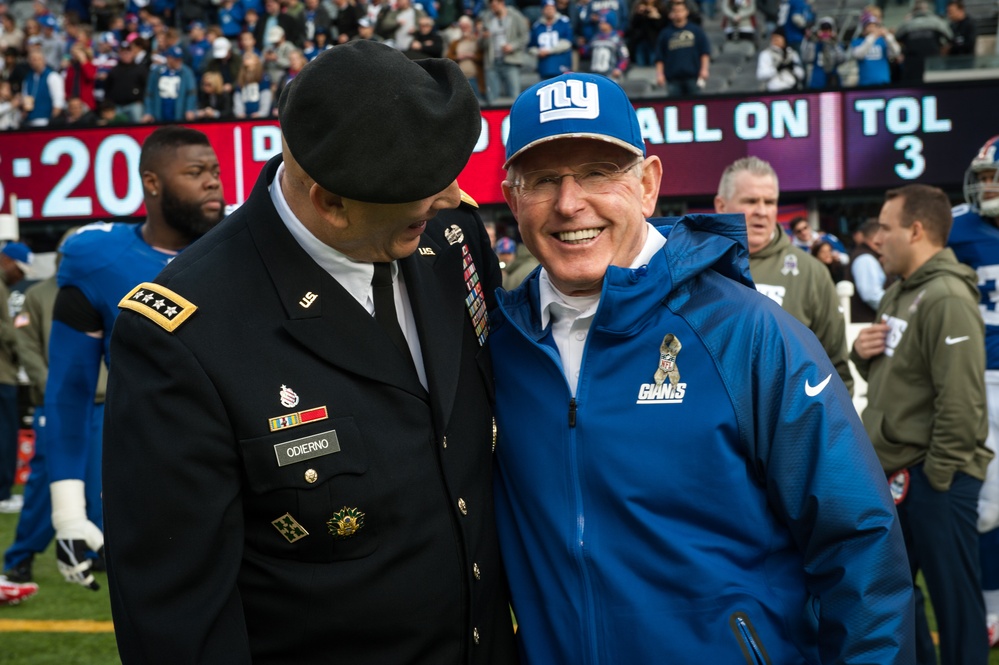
(381, 293)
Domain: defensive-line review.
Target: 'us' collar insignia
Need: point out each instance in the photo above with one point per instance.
(297, 418)
(308, 299)
(158, 304)
(345, 522)
(288, 527)
(454, 234)
(427, 251)
(288, 397)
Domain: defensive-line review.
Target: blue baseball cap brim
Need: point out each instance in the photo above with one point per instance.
(573, 106)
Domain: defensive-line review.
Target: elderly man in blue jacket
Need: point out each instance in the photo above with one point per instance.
(679, 478)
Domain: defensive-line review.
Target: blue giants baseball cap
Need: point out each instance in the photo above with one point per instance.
(581, 106)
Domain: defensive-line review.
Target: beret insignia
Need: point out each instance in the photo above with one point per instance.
(158, 304)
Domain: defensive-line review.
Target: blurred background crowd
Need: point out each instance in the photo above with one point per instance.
(101, 62)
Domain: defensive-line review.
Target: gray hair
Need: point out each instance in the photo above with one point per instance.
(752, 165)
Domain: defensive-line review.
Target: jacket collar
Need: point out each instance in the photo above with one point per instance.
(695, 244)
(321, 314)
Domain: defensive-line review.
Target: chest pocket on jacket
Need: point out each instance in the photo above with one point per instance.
(309, 495)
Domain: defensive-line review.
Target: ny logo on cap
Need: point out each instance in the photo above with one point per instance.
(569, 99)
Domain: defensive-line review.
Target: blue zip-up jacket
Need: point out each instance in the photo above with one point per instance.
(734, 512)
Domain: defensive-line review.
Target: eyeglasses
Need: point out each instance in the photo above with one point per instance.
(594, 178)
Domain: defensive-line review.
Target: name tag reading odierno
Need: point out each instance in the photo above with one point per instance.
(307, 447)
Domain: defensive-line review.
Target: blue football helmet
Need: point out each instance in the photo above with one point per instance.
(981, 180)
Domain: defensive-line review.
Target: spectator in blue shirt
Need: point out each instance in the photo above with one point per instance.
(551, 41)
(795, 16)
(683, 53)
(230, 17)
(873, 50)
(198, 46)
(172, 91)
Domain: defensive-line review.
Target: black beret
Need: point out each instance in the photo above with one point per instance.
(367, 123)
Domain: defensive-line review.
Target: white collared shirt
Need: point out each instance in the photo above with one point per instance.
(571, 316)
(354, 276)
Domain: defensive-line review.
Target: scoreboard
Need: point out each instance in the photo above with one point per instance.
(843, 141)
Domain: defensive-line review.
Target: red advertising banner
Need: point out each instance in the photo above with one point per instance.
(817, 142)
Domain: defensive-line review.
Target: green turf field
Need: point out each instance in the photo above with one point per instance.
(40, 639)
(38, 632)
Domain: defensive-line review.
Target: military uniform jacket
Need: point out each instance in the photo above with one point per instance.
(278, 486)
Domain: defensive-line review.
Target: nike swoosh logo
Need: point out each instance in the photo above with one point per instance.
(954, 340)
(812, 391)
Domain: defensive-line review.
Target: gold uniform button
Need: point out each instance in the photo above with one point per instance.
(311, 476)
(476, 572)
(445, 442)
(495, 432)
(462, 507)
(475, 635)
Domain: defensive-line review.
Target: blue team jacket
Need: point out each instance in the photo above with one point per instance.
(734, 512)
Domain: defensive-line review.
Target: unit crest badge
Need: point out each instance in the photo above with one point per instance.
(345, 522)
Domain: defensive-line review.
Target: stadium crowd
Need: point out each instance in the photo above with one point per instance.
(101, 62)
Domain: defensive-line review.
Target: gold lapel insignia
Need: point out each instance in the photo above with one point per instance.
(345, 522)
(427, 251)
(308, 299)
(288, 527)
(158, 304)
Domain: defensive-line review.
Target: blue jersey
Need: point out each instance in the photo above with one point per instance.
(975, 241)
(252, 95)
(197, 52)
(169, 89)
(607, 53)
(873, 68)
(104, 261)
(547, 37)
(231, 20)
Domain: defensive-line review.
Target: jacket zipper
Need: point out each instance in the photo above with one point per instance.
(749, 641)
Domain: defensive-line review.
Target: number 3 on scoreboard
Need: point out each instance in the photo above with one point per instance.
(912, 152)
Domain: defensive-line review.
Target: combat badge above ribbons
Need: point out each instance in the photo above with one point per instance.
(158, 304)
(345, 522)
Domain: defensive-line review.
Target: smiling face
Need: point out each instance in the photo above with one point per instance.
(385, 231)
(755, 196)
(576, 235)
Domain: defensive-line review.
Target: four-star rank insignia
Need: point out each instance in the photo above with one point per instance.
(158, 304)
(289, 528)
(345, 522)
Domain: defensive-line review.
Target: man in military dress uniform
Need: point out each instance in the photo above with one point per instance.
(299, 431)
